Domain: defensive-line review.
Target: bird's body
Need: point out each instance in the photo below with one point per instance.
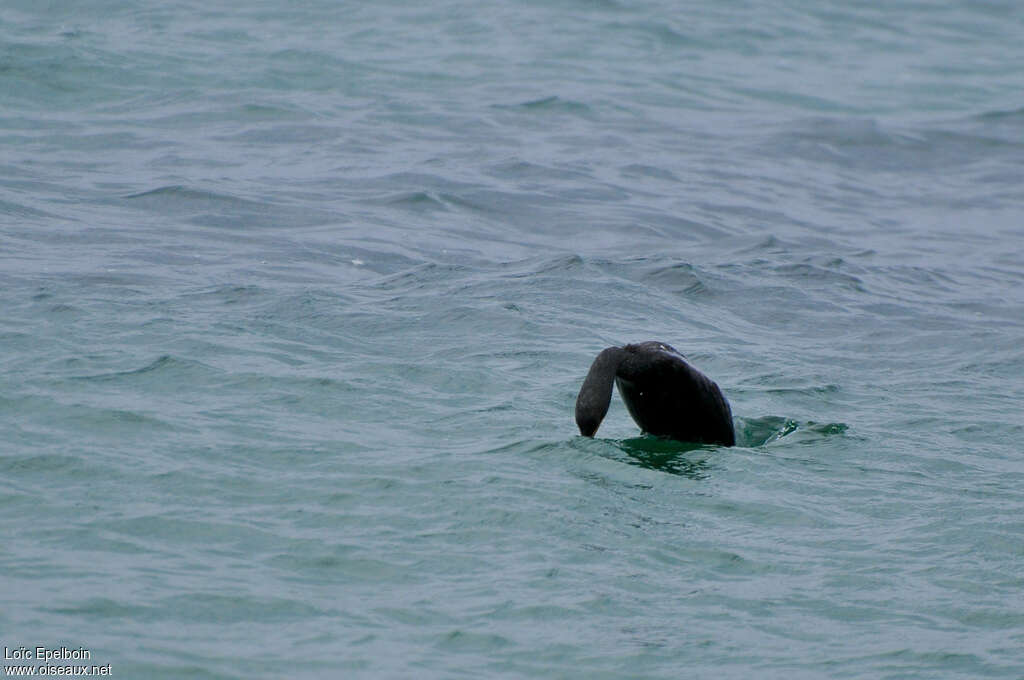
(665, 395)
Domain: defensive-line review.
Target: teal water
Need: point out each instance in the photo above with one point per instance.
(296, 301)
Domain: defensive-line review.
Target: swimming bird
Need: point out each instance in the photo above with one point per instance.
(665, 395)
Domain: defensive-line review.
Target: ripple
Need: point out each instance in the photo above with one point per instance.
(755, 432)
(551, 104)
(216, 209)
(159, 370)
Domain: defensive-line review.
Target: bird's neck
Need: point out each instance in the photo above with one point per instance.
(596, 393)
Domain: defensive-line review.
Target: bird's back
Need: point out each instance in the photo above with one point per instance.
(668, 397)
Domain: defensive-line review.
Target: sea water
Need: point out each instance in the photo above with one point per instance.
(295, 300)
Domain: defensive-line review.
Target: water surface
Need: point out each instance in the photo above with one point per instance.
(296, 302)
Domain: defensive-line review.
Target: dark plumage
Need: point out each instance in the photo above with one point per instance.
(665, 395)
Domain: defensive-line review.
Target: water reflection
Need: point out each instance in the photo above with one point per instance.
(693, 460)
(667, 455)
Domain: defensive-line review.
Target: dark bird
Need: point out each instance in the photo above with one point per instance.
(665, 395)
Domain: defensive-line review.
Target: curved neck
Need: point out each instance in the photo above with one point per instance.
(596, 393)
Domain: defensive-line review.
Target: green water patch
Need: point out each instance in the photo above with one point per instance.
(692, 459)
(687, 459)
